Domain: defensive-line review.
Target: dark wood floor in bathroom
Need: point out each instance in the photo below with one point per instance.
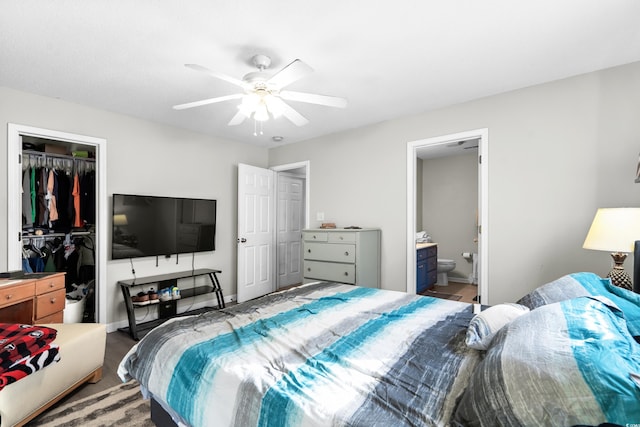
(466, 291)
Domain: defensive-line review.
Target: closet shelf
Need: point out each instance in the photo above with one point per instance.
(56, 156)
(42, 236)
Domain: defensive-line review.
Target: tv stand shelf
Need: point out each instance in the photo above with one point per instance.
(162, 280)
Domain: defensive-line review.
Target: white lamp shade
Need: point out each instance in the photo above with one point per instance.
(614, 230)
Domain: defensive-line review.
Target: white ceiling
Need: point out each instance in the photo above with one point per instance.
(388, 58)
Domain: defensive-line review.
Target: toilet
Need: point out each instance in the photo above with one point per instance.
(444, 266)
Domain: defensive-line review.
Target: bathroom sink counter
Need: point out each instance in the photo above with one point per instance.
(425, 245)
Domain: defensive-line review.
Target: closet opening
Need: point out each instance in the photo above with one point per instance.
(59, 219)
(57, 213)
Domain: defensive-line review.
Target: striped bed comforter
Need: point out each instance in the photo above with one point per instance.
(321, 354)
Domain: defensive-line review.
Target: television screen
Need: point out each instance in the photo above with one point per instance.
(151, 226)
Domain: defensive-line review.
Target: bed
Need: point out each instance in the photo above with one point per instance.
(335, 354)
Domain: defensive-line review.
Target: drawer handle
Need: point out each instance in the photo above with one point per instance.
(309, 269)
(9, 296)
(346, 254)
(341, 238)
(51, 285)
(52, 300)
(346, 273)
(309, 250)
(314, 236)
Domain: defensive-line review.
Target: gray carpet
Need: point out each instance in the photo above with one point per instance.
(121, 405)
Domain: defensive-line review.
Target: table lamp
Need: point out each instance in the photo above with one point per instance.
(615, 230)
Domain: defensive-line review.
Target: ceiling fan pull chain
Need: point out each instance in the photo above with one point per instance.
(255, 133)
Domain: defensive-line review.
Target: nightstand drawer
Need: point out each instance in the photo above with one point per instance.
(50, 303)
(334, 272)
(330, 252)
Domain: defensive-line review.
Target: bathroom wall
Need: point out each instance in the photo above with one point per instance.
(449, 207)
(419, 194)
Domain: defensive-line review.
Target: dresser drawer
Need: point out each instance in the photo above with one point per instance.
(57, 317)
(334, 272)
(342, 237)
(49, 284)
(315, 236)
(12, 294)
(50, 303)
(330, 252)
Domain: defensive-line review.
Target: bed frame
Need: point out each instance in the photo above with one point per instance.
(159, 416)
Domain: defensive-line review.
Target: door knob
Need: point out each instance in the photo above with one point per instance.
(242, 240)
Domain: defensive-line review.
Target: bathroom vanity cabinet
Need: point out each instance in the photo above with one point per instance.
(342, 255)
(426, 266)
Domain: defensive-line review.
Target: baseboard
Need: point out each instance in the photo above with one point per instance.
(466, 280)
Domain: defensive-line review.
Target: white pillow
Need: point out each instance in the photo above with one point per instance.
(485, 325)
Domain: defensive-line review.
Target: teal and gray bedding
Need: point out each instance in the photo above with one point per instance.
(321, 354)
(566, 363)
(332, 354)
(587, 284)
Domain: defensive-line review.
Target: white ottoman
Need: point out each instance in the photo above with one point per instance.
(82, 348)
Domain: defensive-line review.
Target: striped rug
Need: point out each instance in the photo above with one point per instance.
(121, 405)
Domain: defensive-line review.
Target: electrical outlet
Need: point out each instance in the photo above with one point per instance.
(320, 216)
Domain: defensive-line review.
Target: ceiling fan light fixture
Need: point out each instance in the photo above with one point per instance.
(249, 104)
(262, 94)
(273, 106)
(261, 114)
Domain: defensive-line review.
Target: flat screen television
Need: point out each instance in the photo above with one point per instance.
(153, 226)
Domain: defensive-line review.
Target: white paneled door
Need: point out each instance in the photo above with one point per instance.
(290, 212)
(256, 237)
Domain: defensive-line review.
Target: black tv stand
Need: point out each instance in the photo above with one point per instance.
(167, 309)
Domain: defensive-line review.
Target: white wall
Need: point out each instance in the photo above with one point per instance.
(449, 208)
(557, 152)
(144, 158)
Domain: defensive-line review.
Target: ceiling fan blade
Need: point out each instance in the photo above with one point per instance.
(237, 119)
(207, 101)
(289, 74)
(217, 75)
(291, 114)
(312, 98)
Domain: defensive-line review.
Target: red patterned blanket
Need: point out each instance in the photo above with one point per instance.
(25, 349)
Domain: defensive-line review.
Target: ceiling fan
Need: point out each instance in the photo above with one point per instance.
(263, 96)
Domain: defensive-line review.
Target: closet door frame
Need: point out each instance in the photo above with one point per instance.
(14, 200)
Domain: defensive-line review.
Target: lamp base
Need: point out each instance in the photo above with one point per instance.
(618, 276)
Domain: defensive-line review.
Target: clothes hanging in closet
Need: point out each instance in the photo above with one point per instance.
(58, 199)
(27, 210)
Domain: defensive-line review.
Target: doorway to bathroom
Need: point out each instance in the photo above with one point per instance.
(447, 199)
